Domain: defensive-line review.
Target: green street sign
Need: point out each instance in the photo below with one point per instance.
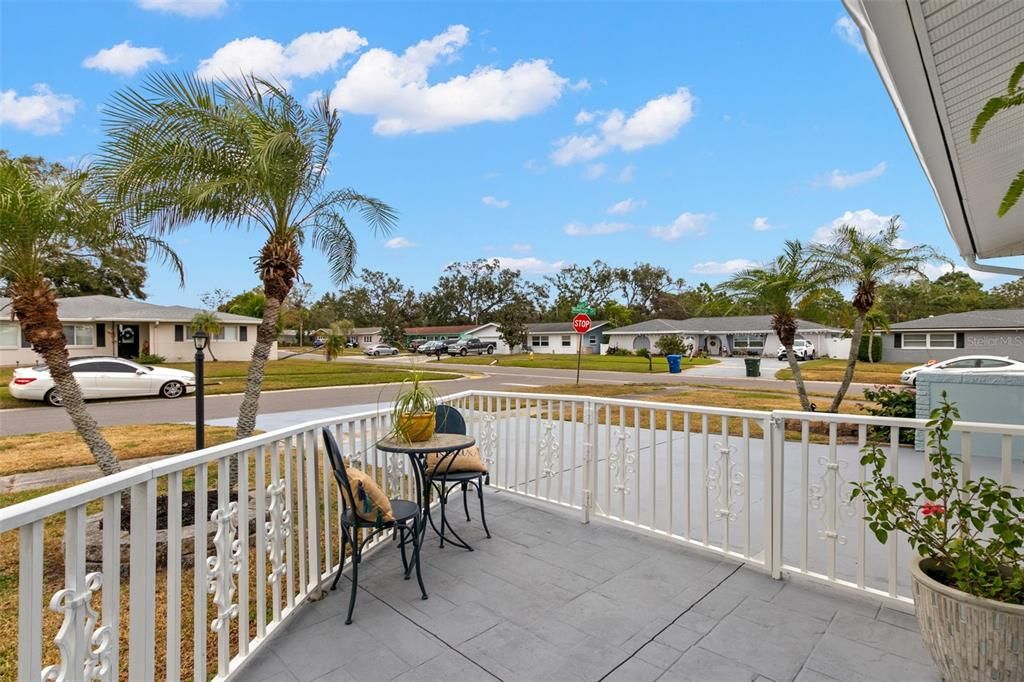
(583, 307)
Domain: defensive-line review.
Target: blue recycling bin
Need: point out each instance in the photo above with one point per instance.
(675, 363)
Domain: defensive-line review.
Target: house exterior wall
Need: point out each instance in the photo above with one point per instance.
(556, 343)
(1001, 343)
(994, 398)
(365, 340)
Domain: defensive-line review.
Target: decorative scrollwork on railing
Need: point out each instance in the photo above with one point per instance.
(224, 565)
(489, 438)
(725, 481)
(394, 471)
(549, 451)
(278, 529)
(78, 628)
(831, 484)
(621, 461)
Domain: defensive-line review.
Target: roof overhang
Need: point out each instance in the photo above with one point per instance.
(941, 61)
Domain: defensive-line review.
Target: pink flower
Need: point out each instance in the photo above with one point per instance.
(929, 509)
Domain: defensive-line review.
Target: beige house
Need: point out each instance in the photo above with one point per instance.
(120, 327)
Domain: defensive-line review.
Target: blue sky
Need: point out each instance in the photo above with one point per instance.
(697, 136)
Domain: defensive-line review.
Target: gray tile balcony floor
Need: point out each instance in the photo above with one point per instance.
(548, 598)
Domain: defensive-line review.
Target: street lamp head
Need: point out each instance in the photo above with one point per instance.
(200, 339)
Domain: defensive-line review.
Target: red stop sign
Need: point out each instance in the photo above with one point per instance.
(581, 323)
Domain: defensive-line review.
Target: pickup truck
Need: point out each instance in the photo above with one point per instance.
(465, 347)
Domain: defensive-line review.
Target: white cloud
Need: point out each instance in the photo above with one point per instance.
(838, 179)
(594, 171)
(580, 86)
(187, 8)
(584, 117)
(685, 223)
(729, 267)
(44, 112)
(626, 174)
(849, 33)
(398, 243)
(656, 122)
(531, 266)
(522, 248)
(307, 55)
(626, 206)
(394, 88)
(580, 230)
(125, 59)
(865, 220)
(496, 203)
(933, 270)
(534, 167)
(761, 224)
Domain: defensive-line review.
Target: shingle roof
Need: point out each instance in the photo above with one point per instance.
(972, 319)
(450, 329)
(365, 331)
(111, 308)
(556, 327)
(698, 325)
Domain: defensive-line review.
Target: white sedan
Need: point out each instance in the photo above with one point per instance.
(380, 349)
(103, 377)
(965, 364)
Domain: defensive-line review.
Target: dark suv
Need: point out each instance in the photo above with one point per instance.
(470, 346)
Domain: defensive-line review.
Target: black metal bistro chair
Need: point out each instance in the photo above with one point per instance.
(406, 521)
(450, 420)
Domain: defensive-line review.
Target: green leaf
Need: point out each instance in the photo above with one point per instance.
(1012, 195)
(1015, 78)
(882, 535)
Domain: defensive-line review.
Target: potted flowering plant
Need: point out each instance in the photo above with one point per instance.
(968, 580)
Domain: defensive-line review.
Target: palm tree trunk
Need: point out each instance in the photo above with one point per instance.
(265, 336)
(851, 362)
(35, 305)
(798, 379)
(209, 347)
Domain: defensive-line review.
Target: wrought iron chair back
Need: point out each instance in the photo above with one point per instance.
(449, 420)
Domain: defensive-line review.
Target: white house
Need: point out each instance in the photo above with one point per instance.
(120, 327)
(366, 336)
(560, 337)
(740, 335)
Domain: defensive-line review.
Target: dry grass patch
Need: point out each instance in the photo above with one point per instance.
(41, 451)
(832, 370)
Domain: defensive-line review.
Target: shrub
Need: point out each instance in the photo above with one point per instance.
(670, 345)
(615, 350)
(973, 530)
(892, 402)
(876, 349)
(149, 359)
(643, 353)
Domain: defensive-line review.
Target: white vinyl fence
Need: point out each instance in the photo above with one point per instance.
(767, 488)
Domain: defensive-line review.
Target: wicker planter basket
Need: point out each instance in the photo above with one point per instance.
(969, 638)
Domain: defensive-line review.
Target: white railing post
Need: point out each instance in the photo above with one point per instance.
(311, 452)
(142, 582)
(589, 440)
(775, 444)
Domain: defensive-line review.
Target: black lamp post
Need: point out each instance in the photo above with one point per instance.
(200, 339)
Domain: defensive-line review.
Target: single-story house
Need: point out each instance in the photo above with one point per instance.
(365, 336)
(739, 335)
(560, 337)
(940, 337)
(488, 333)
(121, 327)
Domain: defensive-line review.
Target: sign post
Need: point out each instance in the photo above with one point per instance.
(581, 324)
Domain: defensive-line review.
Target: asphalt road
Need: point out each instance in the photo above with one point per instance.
(157, 410)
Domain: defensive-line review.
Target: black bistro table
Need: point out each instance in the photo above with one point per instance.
(447, 445)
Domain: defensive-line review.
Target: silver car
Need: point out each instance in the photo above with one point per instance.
(380, 349)
(103, 377)
(965, 364)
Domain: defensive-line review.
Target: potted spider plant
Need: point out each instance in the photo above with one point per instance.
(413, 410)
(968, 577)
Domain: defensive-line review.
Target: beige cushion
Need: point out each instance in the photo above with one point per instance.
(369, 503)
(465, 460)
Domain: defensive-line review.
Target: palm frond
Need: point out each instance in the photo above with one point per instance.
(1013, 194)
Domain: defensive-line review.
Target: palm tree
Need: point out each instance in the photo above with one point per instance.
(242, 154)
(206, 321)
(876, 320)
(337, 337)
(780, 287)
(865, 261)
(40, 215)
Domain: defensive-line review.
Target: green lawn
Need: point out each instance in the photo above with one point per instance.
(229, 377)
(613, 363)
(832, 370)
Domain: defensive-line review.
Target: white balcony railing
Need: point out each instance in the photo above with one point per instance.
(767, 488)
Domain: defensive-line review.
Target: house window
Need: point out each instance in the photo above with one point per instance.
(9, 334)
(367, 339)
(243, 332)
(566, 340)
(226, 333)
(942, 340)
(80, 334)
(916, 340)
(539, 341)
(748, 342)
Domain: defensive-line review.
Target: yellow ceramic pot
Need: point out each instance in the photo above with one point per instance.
(417, 428)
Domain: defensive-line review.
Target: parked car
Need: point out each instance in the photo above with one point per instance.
(466, 347)
(380, 349)
(965, 364)
(103, 377)
(802, 349)
(415, 344)
(430, 347)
